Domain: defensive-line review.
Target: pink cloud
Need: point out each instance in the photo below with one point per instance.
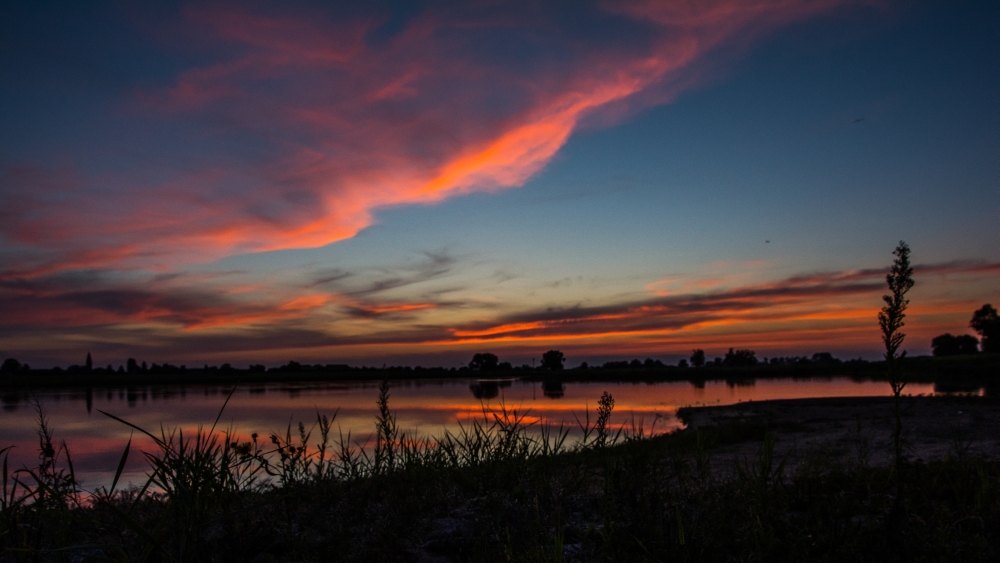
(350, 125)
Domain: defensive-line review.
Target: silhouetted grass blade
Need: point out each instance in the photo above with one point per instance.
(121, 465)
(158, 441)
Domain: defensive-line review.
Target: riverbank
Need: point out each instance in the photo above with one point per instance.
(857, 429)
(764, 481)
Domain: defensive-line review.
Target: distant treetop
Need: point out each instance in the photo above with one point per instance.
(986, 322)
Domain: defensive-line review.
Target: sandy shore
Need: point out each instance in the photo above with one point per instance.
(857, 430)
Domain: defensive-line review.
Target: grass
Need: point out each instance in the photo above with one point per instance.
(499, 489)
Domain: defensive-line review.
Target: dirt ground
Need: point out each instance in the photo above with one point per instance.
(857, 430)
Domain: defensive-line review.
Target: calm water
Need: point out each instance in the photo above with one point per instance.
(424, 407)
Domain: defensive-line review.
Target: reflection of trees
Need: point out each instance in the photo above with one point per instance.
(741, 381)
(485, 389)
(553, 389)
(956, 387)
(131, 397)
(10, 401)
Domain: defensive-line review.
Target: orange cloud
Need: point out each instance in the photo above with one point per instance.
(791, 313)
(340, 125)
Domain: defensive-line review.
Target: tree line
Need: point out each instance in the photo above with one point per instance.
(986, 322)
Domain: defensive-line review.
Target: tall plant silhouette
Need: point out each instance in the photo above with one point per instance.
(387, 435)
(890, 319)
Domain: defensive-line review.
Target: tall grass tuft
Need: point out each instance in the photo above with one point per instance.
(890, 318)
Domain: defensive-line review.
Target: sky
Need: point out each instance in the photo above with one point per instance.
(410, 183)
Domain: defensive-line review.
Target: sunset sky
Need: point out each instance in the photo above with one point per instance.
(411, 183)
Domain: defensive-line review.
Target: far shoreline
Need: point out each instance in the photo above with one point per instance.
(959, 373)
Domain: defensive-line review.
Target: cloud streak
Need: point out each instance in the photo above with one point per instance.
(825, 296)
(827, 309)
(334, 118)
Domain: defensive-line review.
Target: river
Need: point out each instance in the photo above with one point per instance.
(422, 407)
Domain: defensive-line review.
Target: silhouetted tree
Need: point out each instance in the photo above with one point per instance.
(698, 358)
(948, 345)
(484, 362)
(89, 364)
(131, 365)
(740, 358)
(10, 365)
(553, 360)
(986, 322)
(683, 363)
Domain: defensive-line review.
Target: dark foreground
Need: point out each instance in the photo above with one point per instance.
(729, 488)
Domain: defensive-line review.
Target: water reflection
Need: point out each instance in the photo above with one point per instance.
(956, 387)
(553, 389)
(488, 389)
(424, 407)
